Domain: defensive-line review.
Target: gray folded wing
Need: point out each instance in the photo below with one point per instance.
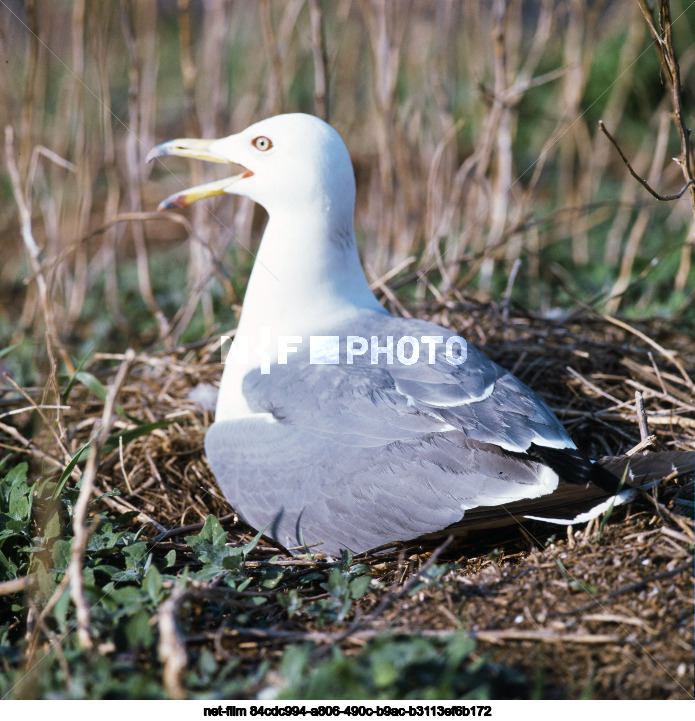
(361, 454)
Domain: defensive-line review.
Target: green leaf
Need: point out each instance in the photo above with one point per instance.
(233, 561)
(290, 601)
(252, 543)
(19, 501)
(53, 527)
(359, 586)
(138, 631)
(12, 486)
(345, 560)
(209, 546)
(9, 568)
(104, 538)
(46, 580)
(207, 663)
(60, 610)
(243, 585)
(99, 390)
(134, 554)
(210, 571)
(385, 666)
(213, 532)
(62, 550)
(270, 577)
(16, 474)
(108, 494)
(71, 382)
(142, 429)
(69, 469)
(8, 350)
(153, 584)
(337, 584)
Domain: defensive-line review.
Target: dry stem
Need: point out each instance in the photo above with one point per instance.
(80, 529)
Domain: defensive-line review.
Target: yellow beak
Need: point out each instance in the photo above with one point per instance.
(199, 149)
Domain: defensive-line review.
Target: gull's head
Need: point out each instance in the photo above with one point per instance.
(292, 162)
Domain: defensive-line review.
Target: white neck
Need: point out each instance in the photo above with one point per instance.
(306, 278)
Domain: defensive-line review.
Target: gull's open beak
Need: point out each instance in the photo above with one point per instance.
(199, 149)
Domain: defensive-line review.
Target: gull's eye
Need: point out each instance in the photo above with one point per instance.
(262, 143)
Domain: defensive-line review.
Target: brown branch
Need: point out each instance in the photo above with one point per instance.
(363, 636)
(172, 649)
(640, 180)
(641, 416)
(80, 529)
(544, 636)
(668, 60)
(16, 585)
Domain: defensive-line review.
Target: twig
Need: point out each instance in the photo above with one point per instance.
(670, 355)
(663, 511)
(274, 102)
(16, 585)
(362, 636)
(55, 596)
(122, 505)
(80, 529)
(666, 52)
(186, 529)
(506, 298)
(319, 637)
(171, 649)
(644, 444)
(318, 50)
(591, 386)
(545, 636)
(641, 417)
(26, 230)
(378, 284)
(29, 447)
(640, 180)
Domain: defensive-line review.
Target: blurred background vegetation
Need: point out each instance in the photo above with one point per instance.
(473, 127)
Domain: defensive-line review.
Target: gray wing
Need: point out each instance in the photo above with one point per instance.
(366, 403)
(359, 454)
(305, 489)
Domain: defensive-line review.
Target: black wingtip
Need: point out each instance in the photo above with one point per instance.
(575, 467)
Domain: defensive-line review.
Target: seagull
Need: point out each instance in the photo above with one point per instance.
(341, 426)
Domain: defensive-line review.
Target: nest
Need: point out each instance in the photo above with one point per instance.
(601, 611)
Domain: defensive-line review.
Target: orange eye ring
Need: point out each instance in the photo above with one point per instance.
(262, 143)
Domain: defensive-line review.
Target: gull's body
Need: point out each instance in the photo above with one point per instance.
(356, 455)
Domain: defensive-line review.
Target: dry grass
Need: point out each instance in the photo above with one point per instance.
(482, 175)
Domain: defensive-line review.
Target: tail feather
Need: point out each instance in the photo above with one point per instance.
(586, 489)
(648, 467)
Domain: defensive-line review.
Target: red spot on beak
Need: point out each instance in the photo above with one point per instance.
(247, 174)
